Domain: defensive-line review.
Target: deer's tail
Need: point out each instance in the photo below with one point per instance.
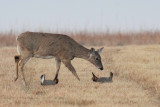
(17, 59)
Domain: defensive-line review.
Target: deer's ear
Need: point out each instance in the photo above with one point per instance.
(100, 50)
(92, 51)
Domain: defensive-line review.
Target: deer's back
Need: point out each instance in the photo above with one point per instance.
(47, 44)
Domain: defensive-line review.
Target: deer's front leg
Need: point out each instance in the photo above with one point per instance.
(58, 63)
(71, 68)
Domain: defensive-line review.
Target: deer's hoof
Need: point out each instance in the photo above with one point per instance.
(56, 81)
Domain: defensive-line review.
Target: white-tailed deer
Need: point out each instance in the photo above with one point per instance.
(58, 46)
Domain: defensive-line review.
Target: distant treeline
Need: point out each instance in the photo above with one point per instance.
(97, 38)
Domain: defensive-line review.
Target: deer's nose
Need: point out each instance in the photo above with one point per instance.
(101, 68)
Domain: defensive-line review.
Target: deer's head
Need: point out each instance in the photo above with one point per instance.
(95, 58)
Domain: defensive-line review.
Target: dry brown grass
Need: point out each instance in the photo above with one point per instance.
(97, 38)
(8, 39)
(136, 80)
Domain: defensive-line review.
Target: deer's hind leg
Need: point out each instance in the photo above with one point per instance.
(57, 66)
(23, 61)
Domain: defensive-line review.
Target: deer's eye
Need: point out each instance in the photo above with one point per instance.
(97, 59)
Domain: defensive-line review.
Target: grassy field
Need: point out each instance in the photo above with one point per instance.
(136, 81)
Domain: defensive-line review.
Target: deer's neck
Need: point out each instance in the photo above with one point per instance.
(82, 52)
